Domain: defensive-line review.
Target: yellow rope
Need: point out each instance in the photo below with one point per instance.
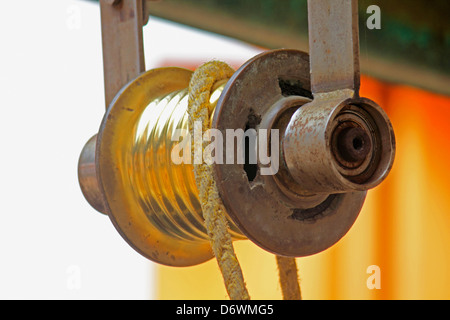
(199, 109)
(288, 274)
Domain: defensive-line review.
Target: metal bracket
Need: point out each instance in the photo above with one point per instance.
(334, 45)
(123, 49)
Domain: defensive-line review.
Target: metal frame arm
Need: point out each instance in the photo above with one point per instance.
(334, 45)
(123, 49)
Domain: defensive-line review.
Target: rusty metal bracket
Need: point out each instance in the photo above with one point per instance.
(333, 45)
(123, 49)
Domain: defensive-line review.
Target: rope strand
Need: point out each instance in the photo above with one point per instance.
(288, 274)
(200, 87)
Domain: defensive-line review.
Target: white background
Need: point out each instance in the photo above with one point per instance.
(53, 245)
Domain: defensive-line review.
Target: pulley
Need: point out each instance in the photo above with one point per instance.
(300, 203)
(295, 146)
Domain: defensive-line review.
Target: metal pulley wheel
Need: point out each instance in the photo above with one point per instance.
(329, 154)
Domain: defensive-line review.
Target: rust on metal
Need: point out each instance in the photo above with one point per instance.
(326, 158)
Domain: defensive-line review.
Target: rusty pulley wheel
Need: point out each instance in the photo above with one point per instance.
(275, 211)
(299, 200)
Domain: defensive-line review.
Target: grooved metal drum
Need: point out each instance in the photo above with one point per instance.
(152, 200)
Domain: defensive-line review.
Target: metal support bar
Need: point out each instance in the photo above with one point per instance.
(334, 45)
(123, 49)
(338, 142)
